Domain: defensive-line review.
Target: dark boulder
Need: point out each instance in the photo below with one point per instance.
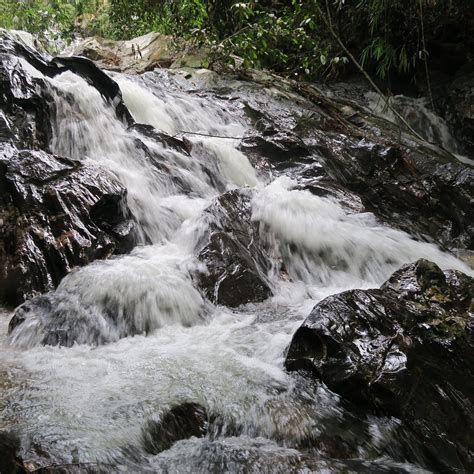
(416, 189)
(60, 320)
(159, 160)
(26, 115)
(180, 422)
(56, 214)
(97, 78)
(404, 350)
(407, 183)
(276, 146)
(10, 460)
(233, 252)
(166, 140)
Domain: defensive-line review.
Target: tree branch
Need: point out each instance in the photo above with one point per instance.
(328, 22)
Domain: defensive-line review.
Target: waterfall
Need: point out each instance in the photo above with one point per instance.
(155, 340)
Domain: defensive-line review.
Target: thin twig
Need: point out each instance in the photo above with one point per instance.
(234, 34)
(425, 55)
(182, 132)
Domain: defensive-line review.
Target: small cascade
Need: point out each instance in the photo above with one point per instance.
(319, 244)
(101, 303)
(322, 244)
(139, 334)
(151, 286)
(421, 118)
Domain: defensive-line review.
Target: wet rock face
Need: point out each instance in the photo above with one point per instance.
(327, 141)
(25, 115)
(233, 253)
(132, 56)
(97, 78)
(180, 422)
(415, 189)
(24, 95)
(58, 321)
(404, 350)
(277, 146)
(56, 214)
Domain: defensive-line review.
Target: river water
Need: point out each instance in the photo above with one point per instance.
(88, 403)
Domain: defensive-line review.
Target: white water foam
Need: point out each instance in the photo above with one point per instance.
(90, 402)
(323, 244)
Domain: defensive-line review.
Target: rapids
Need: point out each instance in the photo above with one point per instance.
(167, 343)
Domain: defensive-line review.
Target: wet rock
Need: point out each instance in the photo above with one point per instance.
(10, 460)
(180, 422)
(416, 189)
(19, 88)
(97, 78)
(404, 350)
(56, 214)
(240, 454)
(61, 323)
(26, 116)
(25, 38)
(458, 104)
(233, 253)
(277, 146)
(137, 55)
(255, 455)
(166, 140)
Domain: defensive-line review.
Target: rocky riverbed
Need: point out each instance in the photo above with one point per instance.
(209, 272)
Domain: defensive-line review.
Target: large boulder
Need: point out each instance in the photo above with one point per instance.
(234, 255)
(136, 55)
(404, 350)
(23, 89)
(56, 214)
(25, 116)
(417, 189)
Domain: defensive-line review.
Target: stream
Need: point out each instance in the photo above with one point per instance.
(169, 344)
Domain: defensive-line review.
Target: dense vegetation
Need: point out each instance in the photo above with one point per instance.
(293, 37)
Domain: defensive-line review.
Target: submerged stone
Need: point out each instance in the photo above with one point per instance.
(180, 422)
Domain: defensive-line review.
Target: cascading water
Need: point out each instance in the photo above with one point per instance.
(165, 343)
(421, 117)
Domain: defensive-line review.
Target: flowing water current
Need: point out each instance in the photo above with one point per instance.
(88, 403)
